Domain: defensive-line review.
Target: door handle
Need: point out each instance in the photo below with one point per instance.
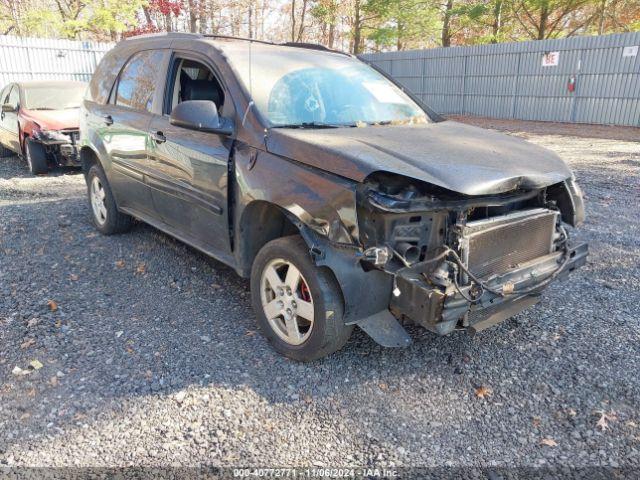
(158, 136)
(108, 119)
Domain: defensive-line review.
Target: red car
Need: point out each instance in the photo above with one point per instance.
(39, 121)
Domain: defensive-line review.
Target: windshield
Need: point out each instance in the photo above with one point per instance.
(53, 97)
(299, 87)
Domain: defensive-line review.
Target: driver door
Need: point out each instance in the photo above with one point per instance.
(190, 168)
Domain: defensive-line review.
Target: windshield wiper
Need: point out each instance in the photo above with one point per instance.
(310, 125)
(42, 108)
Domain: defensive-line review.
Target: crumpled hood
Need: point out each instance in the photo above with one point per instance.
(452, 155)
(55, 119)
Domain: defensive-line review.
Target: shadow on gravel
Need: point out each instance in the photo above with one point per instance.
(141, 314)
(16, 167)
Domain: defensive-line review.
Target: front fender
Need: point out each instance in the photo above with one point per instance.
(323, 208)
(323, 202)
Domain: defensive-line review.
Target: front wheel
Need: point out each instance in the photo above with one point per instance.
(36, 157)
(298, 305)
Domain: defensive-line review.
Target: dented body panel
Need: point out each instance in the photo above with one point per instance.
(461, 158)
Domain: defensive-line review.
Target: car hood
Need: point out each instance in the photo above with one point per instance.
(55, 119)
(452, 155)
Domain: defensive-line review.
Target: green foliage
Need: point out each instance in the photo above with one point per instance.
(402, 23)
(41, 23)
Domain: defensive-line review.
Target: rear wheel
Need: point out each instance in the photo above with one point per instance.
(36, 157)
(298, 305)
(106, 217)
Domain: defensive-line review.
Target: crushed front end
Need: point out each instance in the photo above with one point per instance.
(467, 262)
(61, 146)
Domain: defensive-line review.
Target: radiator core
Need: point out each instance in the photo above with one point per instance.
(498, 244)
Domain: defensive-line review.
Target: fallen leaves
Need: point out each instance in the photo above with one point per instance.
(548, 442)
(53, 306)
(483, 392)
(141, 269)
(53, 381)
(605, 418)
(36, 364)
(73, 277)
(17, 371)
(27, 343)
(119, 264)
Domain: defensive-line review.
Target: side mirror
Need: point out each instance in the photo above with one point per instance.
(200, 115)
(8, 108)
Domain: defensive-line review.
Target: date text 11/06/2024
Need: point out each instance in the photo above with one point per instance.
(315, 473)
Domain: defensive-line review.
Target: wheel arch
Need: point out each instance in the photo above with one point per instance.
(260, 222)
(88, 158)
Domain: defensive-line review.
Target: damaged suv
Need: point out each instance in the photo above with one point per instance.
(343, 198)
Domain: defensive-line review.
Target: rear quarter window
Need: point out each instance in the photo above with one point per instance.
(138, 80)
(104, 76)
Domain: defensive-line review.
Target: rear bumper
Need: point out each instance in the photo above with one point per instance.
(443, 311)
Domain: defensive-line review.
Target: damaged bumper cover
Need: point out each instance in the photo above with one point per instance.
(61, 146)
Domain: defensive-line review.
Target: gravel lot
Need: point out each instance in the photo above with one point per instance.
(151, 356)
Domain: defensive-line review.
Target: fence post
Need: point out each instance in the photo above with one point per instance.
(574, 94)
(464, 84)
(29, 63)
(515, 88)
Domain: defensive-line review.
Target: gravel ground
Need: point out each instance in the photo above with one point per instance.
(146, 351)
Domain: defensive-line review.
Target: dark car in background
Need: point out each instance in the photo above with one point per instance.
(343, 198)
(39, 122)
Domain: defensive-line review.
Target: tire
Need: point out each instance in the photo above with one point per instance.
(36, 157)
(316, 292)
(104, 212)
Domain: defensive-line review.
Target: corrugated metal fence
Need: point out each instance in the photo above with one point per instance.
(527, 80)
(48, 59)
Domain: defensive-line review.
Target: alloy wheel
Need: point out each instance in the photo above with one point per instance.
(98, 206)
(286, 301)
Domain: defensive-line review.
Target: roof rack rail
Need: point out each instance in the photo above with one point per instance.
(231, 37)
(310, 46)
(164, 34)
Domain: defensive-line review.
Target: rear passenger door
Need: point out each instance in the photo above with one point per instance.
(189, 180)
(126, 129)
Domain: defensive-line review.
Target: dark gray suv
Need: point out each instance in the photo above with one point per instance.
(344, 198)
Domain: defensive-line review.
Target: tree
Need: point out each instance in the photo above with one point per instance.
(402, 23)
(542, 19)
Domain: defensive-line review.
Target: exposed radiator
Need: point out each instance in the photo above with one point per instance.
(498, 244)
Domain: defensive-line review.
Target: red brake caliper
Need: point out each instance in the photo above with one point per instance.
(304, 291)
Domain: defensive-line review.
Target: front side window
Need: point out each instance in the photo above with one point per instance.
(193, 80)
(137, 82)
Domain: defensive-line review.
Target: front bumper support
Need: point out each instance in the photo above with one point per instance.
(443, 311)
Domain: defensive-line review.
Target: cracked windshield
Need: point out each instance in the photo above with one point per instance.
(291, 88)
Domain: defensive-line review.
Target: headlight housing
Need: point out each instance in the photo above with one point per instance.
(51, 135)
